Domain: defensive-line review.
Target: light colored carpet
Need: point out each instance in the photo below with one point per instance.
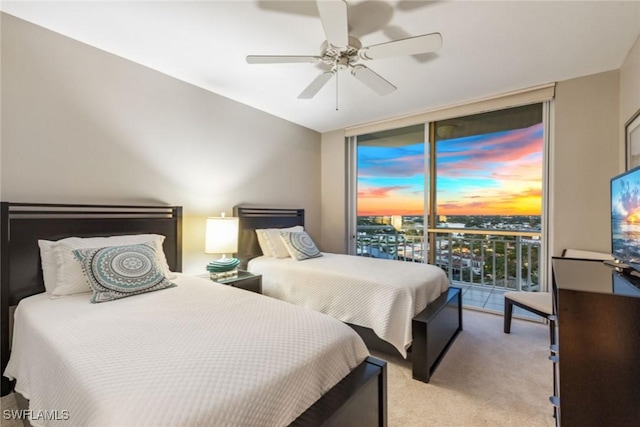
(487, 378)
(8, 402)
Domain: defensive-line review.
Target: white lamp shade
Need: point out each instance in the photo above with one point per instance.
(221, 236)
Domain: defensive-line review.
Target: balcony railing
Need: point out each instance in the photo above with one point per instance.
(508, 260)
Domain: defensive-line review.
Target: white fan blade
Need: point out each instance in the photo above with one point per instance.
(372, 79)
(281, 59)
(409, 46)
(316, 85)
(333, 14)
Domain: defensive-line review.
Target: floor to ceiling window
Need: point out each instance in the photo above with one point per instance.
(470, 203)
(391, 192)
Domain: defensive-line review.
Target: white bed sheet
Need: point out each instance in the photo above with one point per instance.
(194, 355)
(383, 295)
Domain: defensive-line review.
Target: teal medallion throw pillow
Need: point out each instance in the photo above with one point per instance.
(120, 271)
(300, 245)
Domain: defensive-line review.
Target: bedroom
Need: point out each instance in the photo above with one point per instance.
(80, 125)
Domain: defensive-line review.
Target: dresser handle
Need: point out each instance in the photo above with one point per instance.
(554, 359)
(554, 348)
(555, 401)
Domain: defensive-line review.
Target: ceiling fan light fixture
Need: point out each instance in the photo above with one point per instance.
(341, 51)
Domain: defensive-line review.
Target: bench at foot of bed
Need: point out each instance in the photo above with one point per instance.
(434, 330)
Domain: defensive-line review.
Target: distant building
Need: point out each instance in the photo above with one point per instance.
(396, 222)
(453, 225)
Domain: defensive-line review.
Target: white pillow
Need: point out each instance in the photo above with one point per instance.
(49, 267)
(70, 278)
(273, 243)
(262, 241)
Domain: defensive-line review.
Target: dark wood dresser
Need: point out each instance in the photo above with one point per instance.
(597, 356)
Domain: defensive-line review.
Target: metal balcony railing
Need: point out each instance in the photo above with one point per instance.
(508, 260)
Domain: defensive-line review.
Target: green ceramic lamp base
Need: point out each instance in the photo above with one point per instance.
(223, 265)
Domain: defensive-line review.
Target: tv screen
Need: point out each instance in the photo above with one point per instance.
(625, 218)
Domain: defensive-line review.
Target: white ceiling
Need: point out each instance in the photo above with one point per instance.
(489, 47)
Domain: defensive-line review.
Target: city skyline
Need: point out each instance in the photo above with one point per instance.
(492, 174)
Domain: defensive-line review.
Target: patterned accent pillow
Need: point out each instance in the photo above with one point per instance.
(67, 273)
(299, 245)
(116, 272)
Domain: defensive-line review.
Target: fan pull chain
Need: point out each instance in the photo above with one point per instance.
(337, 89)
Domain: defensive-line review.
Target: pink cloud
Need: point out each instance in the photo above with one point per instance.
(380, 192)
(517, 146)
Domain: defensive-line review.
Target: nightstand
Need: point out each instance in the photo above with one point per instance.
(244, 280)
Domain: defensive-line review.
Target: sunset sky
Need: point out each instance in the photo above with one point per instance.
(493, 174)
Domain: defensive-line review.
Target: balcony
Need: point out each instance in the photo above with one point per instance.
(484, 263)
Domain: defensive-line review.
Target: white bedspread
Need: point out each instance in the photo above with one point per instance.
(383, 295)
(200, 354)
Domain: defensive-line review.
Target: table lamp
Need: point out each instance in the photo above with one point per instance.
(222, 238)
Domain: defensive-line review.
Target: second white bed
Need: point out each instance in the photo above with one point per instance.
(383, 295)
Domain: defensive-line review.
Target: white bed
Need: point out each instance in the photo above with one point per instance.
(383, 295)
(196, 354)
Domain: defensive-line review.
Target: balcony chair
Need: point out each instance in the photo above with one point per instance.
(541, 303)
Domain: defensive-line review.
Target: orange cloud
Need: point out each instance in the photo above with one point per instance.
(393, 203)
(494, 202)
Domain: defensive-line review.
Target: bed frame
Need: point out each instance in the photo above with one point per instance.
(359, 399)
(434, 329)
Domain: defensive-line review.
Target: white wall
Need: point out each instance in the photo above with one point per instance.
(629, 92)
(333, 224)
(584, 157)
(80, 125)
(589, 149)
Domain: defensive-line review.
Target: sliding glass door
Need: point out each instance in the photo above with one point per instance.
(488, 199)
(391, 194)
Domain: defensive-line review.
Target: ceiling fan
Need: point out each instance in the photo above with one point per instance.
(341, 51)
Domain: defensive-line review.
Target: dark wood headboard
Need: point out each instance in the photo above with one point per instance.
(23, 224)
(252, 218)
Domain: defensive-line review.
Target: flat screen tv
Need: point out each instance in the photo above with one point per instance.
(625, 218)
